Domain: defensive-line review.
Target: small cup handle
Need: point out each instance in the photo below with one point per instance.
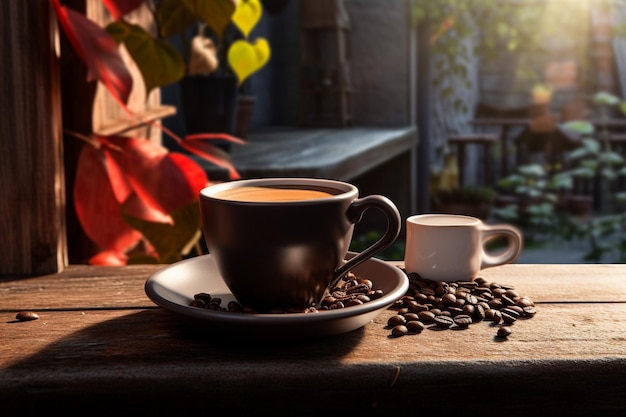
(354, 214)
(514, 244)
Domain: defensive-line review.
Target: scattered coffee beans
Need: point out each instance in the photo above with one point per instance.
(350, 291)
(26, 316)
(457, 305)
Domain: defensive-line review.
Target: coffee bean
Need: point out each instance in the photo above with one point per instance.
(198, 302)
(426, 316)
(363, 298)
(507, 318)
(524, 302)
(417, 307)
(449, 299)
(444, 322)
(411, 316)
(27, 316)
(463, 320)
(376, 294)
(367, 282)
(359, 288)
(496, 303)
(353, 302)
(234, 306)
(511, 293)
(506, 300)
(396, 320)
(529, 311)
(399, 330)
(479, 313)
(497, 317)
(421, 298)
(480, 281)
(504, 332)
(469, 309)
(205, 297)
(415, 326)
(350, 291)
(455, 311)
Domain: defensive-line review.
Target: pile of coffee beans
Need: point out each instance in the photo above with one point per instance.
(457, 305)
(350, 291)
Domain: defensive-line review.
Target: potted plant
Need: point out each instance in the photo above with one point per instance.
(595, 162)
(135, 199)
(221, 59)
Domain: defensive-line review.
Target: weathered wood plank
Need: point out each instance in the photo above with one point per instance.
(578, 332)
(139, 357)
(79, 286)
(113, 287)
(115, 358)
(341, 154)
(32, 188)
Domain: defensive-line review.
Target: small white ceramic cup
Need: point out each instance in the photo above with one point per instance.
(450, 247)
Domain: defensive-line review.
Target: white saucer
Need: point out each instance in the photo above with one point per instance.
(173, 288)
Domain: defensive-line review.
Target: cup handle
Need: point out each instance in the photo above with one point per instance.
(354, 214)
(514, 244)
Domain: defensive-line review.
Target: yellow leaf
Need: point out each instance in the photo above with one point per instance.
(246, 59)
(247, 15)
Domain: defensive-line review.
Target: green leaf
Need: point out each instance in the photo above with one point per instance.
(173, 16)
(583, 172)
(215, 13)
(622, 107)
(589, 164)
(562, 181)
(612, 158)
(532, 170)
(158, 61)
(608, 173)
(579, 126)
(592, 145)
(578, 153)
(607, 99)
(172, 241)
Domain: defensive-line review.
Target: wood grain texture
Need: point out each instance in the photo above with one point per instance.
(100, 343)
(32, 199)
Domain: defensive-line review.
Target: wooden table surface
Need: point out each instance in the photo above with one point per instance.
(100, 345)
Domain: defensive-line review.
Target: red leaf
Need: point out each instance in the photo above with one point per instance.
(163, 181)
(119, 184)
(136, 207)
(97, 209)
(98, 51)
(119, 8)
(211, 153)
(195, 176)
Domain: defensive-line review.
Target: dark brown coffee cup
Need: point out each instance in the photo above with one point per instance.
(286, 254)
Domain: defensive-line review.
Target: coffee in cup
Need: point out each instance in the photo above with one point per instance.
(280, 243)
(450, 247)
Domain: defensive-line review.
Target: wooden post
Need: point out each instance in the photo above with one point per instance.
(32, 184)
